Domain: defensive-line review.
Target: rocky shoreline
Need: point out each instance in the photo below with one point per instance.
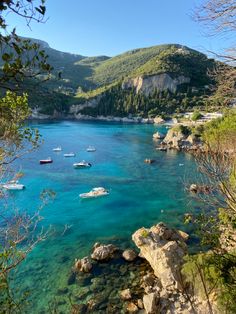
(152, 280)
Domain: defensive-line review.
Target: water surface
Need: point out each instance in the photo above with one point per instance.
(140, 195)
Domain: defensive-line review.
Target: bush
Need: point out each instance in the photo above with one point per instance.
(196, 116)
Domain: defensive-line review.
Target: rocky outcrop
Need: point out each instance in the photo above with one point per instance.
(157, 136)
(103, 252)
(164, 249)
(129, 255)
(161, 82)
(181, 138)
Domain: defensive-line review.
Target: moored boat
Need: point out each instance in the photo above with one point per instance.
(13, 185)
(69, 155)
(57, 149)
(82, 164)
(95, 192)
(91, 149)
(46, 161)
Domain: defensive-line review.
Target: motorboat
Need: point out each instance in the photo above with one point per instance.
(69, 155)
(82, 164)
(13, 185)
(46, 161)
(57, 149)
(95, 192)
(91, 149)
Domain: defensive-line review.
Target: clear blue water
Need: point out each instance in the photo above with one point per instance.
(140, 195)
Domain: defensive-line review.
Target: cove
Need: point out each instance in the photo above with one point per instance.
(140, 195)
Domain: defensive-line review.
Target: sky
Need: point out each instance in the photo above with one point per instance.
(110, 27)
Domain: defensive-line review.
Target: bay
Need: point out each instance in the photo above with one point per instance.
(140, 195)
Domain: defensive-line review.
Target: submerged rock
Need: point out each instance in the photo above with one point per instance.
(129, 255)
(125, 294)
(164, 248)
(103, 252)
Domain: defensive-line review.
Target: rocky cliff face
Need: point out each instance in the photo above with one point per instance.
(92, 103)
(161, 82)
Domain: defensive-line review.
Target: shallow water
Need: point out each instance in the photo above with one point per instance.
(140, 195)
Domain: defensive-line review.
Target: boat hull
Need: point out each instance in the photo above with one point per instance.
(13, 187)
(42, 162)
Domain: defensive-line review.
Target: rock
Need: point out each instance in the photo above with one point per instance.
(104, 252)
(125, 294)
(158, 120)
(195, 188)
(140, 304)
(158, 136)
(71, 278)
(83, 265)
(129, 255)
(62, 291)
(149, 161)
(147, 84)
(151, 303)
(164, 249)
(132, 308)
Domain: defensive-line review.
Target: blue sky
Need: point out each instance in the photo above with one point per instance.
(110, 27)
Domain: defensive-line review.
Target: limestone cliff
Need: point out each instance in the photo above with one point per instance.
(161, 82)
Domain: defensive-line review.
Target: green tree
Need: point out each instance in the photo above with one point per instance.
(20, 60)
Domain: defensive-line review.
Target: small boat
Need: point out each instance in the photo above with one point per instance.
(57, 149)
(69, 155)
(95, 192)
(149, 161)
(82, 164)
(91, 149)
(161, 149)
(46, 161)
(13, 185)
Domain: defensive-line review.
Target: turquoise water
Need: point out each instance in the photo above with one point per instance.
(140, 195)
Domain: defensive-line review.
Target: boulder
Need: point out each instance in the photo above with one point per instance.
(151, 303)
(129, 255)
(125, 294)
(103, 252)
(158, 120)
(131, 308)
(158, 136)
(164, 249)
(195, 188)
(84, 265)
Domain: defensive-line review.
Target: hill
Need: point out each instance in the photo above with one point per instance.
(154, 80)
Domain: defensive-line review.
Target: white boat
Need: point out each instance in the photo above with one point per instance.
(13, 185)
(91, 149)
(82, 164)
(57, 149)
(69, 155)
(95, 192)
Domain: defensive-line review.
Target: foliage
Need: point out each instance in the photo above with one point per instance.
(116, 101)
(196, 115)
(209, 273)
(21, 61)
